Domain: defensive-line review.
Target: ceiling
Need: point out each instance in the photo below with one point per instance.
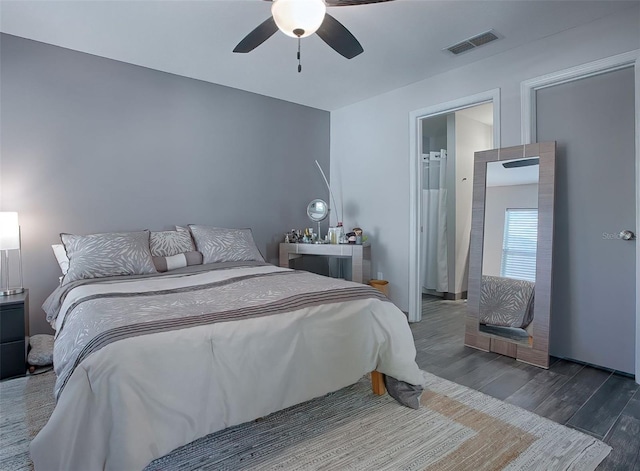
(498, 175)
(403, 39)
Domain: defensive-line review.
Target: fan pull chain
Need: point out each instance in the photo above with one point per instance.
(299, 63)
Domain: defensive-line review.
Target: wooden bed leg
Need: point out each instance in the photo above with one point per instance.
(377, 383)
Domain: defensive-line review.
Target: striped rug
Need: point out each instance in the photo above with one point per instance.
(455, 429)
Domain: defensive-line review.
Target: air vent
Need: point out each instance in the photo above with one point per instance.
(461, 47)
(471, 43)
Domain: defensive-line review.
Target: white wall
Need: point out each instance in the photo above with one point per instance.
(452, 209)
(434, 134)
(497, 200)
(370, 139)
(471, 136)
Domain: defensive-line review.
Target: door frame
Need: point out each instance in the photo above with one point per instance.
(528, 90)
(415, 181)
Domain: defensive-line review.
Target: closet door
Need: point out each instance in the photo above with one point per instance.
(594, 281)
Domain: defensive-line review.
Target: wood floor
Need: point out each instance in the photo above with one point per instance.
(598, 402)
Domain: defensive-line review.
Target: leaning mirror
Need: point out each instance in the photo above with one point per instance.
(510, 259)
(318, 211)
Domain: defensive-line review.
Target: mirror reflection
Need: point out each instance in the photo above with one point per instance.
(317, 210)
(509, 250)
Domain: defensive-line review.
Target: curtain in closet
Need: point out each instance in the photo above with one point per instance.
(435, 269)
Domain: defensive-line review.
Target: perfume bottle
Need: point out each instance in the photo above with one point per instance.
(333, 235)
(340, 236)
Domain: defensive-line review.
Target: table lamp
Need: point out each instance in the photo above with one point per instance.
(9, 240)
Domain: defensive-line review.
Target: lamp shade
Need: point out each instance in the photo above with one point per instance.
(9, 231)
(305, 15)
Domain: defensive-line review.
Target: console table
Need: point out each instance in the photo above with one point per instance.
(360, 256)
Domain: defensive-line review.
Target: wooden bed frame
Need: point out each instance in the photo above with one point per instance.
(377, 383)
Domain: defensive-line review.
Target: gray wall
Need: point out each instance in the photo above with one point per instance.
(95, 145)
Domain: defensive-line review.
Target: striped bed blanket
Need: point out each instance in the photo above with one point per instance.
(226, 330)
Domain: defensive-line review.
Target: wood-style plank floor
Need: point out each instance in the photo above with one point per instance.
(595, 401)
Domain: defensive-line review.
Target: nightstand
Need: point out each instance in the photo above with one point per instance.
(14, 312)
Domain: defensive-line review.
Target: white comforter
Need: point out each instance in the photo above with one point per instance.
(137, 399)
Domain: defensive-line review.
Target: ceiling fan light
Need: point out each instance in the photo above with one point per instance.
(306, 15)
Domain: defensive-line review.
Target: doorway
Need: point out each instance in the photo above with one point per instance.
(448, 144)
(443, 140)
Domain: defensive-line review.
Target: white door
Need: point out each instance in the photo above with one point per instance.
(594, 284)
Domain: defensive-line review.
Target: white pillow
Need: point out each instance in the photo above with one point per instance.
(61, 256)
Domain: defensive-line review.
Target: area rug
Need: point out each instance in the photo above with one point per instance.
(455, 429)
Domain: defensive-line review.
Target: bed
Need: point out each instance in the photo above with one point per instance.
(148, 362)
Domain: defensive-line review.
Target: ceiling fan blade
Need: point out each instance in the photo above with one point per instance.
(345, 3)
(339, 38)
(256, 37)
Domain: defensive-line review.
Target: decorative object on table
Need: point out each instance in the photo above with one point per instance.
(359, 236)
(309, 236)
(337, 235)
(318, 211)
(326, 182)
(333, 235)
(340, 234)
(294, 236)
(9, 241)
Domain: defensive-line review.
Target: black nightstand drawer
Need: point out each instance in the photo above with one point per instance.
(11, 323)
(12, 359)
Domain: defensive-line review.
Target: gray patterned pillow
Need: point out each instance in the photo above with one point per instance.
(41, 352)
(218, 244)
(169, 243)
(110, 254)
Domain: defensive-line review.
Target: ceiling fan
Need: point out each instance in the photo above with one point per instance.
(302, 18)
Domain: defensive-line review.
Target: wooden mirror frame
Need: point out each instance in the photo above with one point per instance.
(538, 353)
